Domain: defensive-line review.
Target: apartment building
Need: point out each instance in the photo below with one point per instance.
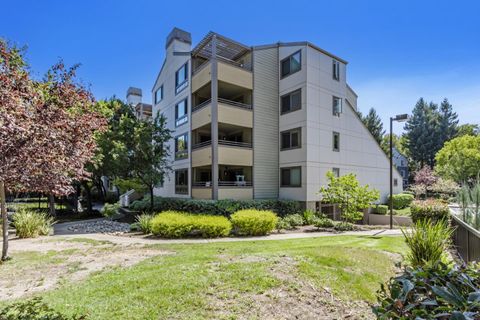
(261, 122)
(134, 99)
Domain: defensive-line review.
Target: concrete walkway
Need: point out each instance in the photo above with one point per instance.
(142, 240)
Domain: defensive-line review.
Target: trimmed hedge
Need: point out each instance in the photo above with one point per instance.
(217, 207)
(380, 209)
(432, 209)
(401, 200)
(172, 224)
(254, 222)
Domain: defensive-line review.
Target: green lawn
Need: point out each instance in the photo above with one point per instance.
(402, 212)
(236, 280)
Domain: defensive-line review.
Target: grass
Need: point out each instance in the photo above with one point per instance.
(190, 283)
(402, 212)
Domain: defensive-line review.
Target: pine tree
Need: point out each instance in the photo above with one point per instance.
(448, 122)
(422, 133)
(373, 122)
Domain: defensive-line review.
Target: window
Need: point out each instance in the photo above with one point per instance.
(291, 177)
(159, 94)
(181, 113)
(291, 101)
(336, 141)
(181, 181)
(181, 147)
(181, 78)
(337, 106)
(291, 139)
(291, 64)
(395, 182)
(336, 172)
(336, 70)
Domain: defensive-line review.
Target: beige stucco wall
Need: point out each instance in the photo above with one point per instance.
(202, 77)
(233, 115)
(201, 117)
(235, 75)
(201, 193)
(235, 193)
(235, 156)
(202, 157)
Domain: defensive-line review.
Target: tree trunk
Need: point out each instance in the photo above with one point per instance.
(51, 205)
(39, 201)
(3, 206)
(151, 197)
(89, 196)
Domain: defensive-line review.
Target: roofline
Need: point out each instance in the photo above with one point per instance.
(354, 93)
(299, 43)
(210, 34)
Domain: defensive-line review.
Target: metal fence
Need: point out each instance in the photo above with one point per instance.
(466, 239)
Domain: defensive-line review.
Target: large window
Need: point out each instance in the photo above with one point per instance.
(291, 139)
(336, 141)
(159, 94)
(291, 101)
(291, 177)
(181, 147)
(181, 78)
(291, 64)
(181, 113)
(337, 106)
(336, 172)
(181, 181)
(336, 70)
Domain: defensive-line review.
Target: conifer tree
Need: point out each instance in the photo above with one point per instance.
(373, 122)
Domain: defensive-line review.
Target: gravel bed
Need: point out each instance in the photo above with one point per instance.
(104, 226)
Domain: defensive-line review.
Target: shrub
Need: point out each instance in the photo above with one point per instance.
(308, 217)
(109, 210)
(171, 224)
(31, 224)
(144, 222)
(323, 223)
(283, 224)
(295, 220)
(427, 242)
(380, 209)
(254, 222)
(401, 200)
(217, 207)
(33, 309)
(432, 209)
(344, 226)
(442, 292)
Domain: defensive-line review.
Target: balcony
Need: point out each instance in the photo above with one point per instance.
(229, 112)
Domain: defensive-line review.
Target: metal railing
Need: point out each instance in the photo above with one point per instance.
(224, 60)
(201, 144)
(181, 189)
(204, 184)
(201, 105)
(235, 183)
(235, 103)
(235, 144)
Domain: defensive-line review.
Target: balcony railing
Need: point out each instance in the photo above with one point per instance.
(201, 105)
(224, 60)
(208, 184)
(201, 144)
(235, 103)
(235, 144)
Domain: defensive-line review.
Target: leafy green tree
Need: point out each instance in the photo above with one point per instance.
(468, 129)
(374, 124)
(349, 195)
(422, 133)
(149, 153)
(459, 159)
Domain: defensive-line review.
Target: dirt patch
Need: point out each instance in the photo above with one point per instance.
(42, 264)
(295, 298)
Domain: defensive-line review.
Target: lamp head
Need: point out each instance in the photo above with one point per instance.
(401, 117)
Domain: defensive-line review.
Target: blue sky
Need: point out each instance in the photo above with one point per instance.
(398, 51)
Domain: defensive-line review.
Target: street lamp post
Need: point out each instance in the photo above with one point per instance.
(398, 118)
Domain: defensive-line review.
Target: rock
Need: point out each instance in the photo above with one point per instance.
(103, 226)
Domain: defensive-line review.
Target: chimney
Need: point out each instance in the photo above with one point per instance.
(179, 41)
(134, 96)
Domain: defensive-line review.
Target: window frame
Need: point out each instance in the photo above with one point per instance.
(179, 121)
(282, 76)
(178, 171)
(290, 178)
(334, 134)
(290, 131)
(179, 87)
(290, 94)
(337, 114)
(181, 154)
(336, 70)
(157, 101)
(336, 172)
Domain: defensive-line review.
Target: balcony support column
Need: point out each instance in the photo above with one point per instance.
(214, 115)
